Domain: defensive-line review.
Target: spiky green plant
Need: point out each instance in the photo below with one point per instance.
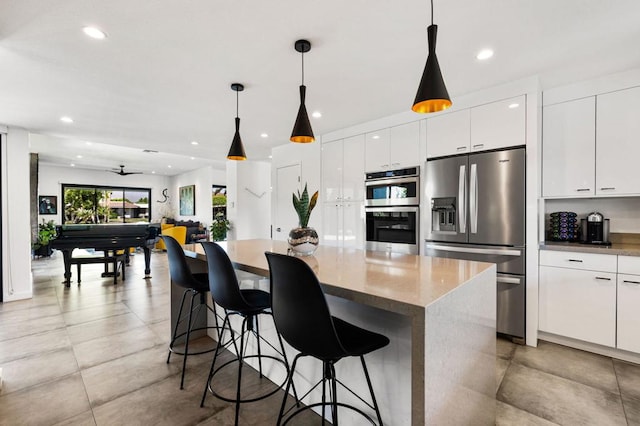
(304, 205)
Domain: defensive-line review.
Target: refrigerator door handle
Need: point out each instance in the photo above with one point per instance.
(503, 252)
(508, 280)
(473, 198)
(462, 199)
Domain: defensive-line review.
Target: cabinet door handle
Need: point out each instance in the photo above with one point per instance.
(278, 229)
(631, 282)
(478, 145)
(603, 278)
(395, 164)
(575, 260)
(461, 148)
(583, 189)
(610, 188)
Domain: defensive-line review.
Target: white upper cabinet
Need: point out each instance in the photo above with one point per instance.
(618, 143)
(568, 149)
(343, 169)
(393, 148)
(353, 168)
(377, 151)
(332, 158)
(404, 144)
(498, 124)
(449, 134)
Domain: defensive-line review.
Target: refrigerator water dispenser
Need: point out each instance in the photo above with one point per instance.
(443, 214)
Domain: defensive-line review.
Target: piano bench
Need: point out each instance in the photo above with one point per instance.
(118, 257)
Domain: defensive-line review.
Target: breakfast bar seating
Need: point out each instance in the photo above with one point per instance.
(439, 315)
(302, 316)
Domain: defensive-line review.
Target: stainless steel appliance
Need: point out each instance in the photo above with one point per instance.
(478, 213)
(595, 229)
(392, 213)
(393, 187)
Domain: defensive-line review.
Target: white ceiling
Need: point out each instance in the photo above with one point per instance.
(162, 77)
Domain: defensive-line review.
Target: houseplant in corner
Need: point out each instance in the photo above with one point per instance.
(46, 233)
(219, 227)
(303, 240)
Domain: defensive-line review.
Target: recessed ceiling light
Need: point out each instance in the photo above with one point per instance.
(169, 166)
(484, 54)
(514, 105)
(94, 32)
(194, 143)
(375, 137)
(264, 135)
(72, 165)
(193, 158)
(78, 156)
(153, 172)
(66, 119)
(89, 143)
(316, 114)
(271, 156)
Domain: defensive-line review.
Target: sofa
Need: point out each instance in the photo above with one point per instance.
(196, 231)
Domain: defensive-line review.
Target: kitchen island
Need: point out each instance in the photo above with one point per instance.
(438, 313)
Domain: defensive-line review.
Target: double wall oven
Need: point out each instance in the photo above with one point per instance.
(392, 215)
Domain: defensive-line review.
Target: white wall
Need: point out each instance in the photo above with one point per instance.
(623, 213)
(248, 199)
(309, 157)
(16, 240)
(51, 178)
(203, 179)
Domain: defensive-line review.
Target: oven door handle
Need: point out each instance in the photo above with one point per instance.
(391, 209)
(392, 181)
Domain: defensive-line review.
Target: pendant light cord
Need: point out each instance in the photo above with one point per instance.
(431, 12)
(237, 102)
(302, 66)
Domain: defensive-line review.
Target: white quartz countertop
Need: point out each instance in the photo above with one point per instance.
(391, 281)
(621, 249)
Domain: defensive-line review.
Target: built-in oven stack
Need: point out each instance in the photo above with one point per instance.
(392, 213)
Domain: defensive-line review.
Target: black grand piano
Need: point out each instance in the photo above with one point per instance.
(107, 238)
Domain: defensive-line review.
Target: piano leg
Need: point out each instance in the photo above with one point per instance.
(66, 256)
(147, 261)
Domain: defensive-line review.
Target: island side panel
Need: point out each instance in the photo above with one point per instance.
(460, 354)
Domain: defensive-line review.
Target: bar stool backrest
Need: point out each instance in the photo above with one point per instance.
(178, 269)
(300, 308)
(223, 282)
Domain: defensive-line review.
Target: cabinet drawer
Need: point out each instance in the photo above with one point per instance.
(573, 260)
(629, 265)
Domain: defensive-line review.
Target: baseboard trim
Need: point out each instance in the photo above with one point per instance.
(590, 347)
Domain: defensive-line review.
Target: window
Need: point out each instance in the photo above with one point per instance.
(219, 200)
(105, 204)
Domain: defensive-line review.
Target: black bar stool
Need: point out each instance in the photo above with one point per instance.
(248, 304)
(194, 284)
(303, 318)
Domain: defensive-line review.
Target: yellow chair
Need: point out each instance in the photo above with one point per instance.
(160, 244)
(177, 232)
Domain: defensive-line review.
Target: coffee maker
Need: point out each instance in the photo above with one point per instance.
(595, 229)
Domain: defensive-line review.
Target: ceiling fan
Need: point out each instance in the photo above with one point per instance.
(123, 173)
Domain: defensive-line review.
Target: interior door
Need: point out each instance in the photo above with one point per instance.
(287, 182)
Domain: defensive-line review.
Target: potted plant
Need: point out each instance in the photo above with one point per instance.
(219, 227)
(46, 233)
(303, 240)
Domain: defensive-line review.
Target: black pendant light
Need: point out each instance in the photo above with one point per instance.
(236, 152)
(302, 132)
(432, 94)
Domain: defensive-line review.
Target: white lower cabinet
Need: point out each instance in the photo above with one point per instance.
(578, 304)
(343, 224)
(629, 312)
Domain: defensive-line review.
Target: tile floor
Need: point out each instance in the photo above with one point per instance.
(95, 355)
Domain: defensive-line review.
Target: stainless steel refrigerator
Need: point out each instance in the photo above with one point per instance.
(477, 213)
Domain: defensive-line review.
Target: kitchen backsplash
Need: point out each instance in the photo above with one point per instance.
(623, 213)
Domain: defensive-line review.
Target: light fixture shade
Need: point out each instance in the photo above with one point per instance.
(236, 152)
(432, 94)
(302, 132)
